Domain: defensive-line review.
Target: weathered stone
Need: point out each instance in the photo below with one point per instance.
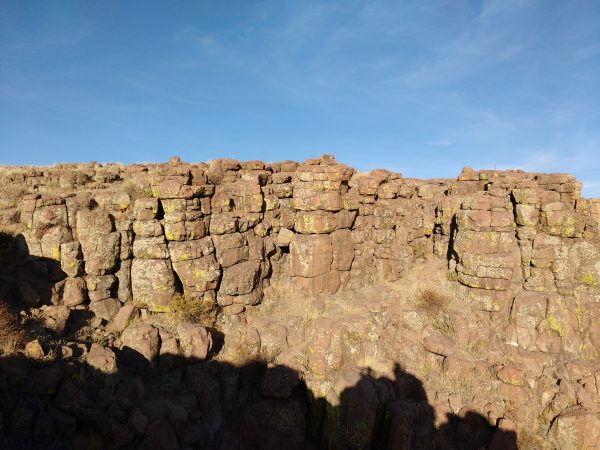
(102, 359)
(49, 216)
(241, 278)
(100, 252)
(145, 208)
(124, 281)
(71, 259)
(309, 222)
(198, 275)
(311, 255)
(195, 341)
(223, 224)
(342, 249)
(306, 199)
(100, 287)
(284, 237)
(52, 240)
(106, 309)
(174, 189)
(527, 215)
(231, 249)
(121, 319)
(185, 251)
(150, 248)
(34, 349)
(152, 283)
(529, 309)
(96, 221)
(74, 292)
(147, 228)
(441, 345)
(141, 340)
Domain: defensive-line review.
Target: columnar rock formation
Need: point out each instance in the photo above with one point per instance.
(521, 249)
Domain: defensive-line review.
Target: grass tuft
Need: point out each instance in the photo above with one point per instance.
(197, 310)
(431, 300)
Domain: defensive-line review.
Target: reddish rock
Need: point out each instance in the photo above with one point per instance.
(102, 359)
(195, 341)
(141, 340)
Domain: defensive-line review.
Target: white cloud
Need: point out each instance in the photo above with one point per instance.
(440, 143)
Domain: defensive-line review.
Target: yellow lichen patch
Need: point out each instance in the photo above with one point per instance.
(587, 279)
(550, 322)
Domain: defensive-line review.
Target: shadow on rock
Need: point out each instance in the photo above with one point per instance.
(109, 403)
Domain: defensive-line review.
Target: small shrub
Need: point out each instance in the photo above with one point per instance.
(11, 336)
(431, 300)
(197, 310)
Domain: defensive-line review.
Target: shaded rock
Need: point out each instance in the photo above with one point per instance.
(141, 344)
(279, 381)
(152, 283)
(105, 309)
(74, 292)
(102, 359)
(55, 318)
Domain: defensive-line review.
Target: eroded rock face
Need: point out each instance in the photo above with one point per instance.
(296, 257)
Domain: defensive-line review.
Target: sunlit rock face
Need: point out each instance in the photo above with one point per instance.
(299, 305)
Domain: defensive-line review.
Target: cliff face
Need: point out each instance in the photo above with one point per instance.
(326, 270)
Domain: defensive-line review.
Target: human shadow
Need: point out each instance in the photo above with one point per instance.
(68, 404)
(174, 402)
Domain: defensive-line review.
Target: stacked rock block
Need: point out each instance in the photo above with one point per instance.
(528, 246)
(220, 232)
(484, 243)
(322, 249)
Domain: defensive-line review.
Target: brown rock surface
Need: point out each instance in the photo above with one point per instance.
(308, 282)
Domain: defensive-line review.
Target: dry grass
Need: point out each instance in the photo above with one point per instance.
(422, 248)
(527, 440)
(11, 335)
(136, 191)
(14, 192)
(11, 229)
(434, 303)
(431, 300)
(443, 325)
(197, 310)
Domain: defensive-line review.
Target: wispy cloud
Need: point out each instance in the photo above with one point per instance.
(440, 143)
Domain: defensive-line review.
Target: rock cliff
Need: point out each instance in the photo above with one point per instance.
(370, 310)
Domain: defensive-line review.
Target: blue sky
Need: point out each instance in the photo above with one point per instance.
(420, 87)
